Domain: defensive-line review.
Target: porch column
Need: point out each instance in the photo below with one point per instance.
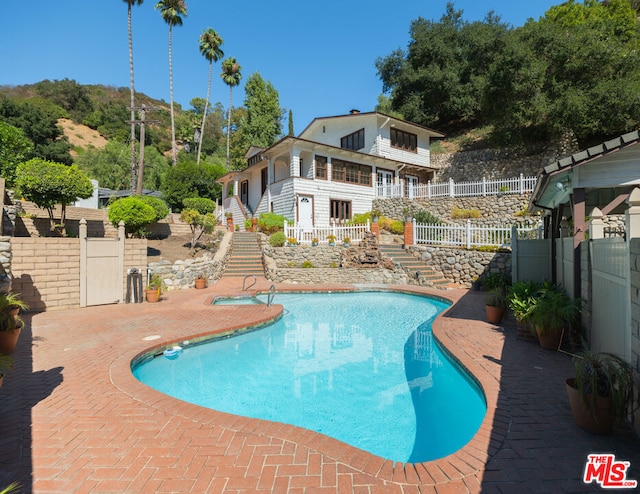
(579, 229)
(633, 214)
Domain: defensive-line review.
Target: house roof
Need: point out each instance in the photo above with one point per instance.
(358, 115)
(605, 172)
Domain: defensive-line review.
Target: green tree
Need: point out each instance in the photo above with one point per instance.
(134, 212)
(132, 103)
(291, 130)
(263, 123)
(74, 98)
(159, 206)
(188, 179)
(231, 76)
(14, 149)
(47, 184)
(39, 126)
(171, 12)
(210, 42)
(198, 212)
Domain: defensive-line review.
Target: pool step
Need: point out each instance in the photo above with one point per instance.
(414, 266)
(245, 258)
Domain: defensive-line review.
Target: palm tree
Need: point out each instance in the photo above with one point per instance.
(210, 42)
(171, 10)
(131, 3)
(231, 76)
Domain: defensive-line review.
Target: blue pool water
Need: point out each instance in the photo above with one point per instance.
(359, 367)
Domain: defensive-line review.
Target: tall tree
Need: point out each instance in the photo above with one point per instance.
(134, 170)
(263, 125)
(231, 76)
(171, 12)
(291, 130)
(210, 42)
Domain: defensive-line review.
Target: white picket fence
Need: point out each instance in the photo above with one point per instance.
(516, 185)
(305, 235)
(469, 235)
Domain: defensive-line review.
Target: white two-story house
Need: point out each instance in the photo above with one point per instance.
(334, 169)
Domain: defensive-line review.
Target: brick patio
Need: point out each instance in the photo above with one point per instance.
(76, 420)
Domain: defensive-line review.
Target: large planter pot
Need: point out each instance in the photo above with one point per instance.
(153, 295)
(549, 338)
(494, 314)
(201, 283)
(598, 420)
(9, 340)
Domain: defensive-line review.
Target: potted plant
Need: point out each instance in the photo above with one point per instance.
(346, 241)
(229, 216)
(375, 214)
(601, 393)
(292, 241)
(520, 299)
(331, 239)
(314, 241)
(496, 305)
(155, 288)
(200, 281)
(6, 363)
(551, 311)
(10, 321)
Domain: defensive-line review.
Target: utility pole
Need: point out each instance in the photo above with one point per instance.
(136, 186)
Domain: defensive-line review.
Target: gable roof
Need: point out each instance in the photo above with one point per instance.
(355, 115)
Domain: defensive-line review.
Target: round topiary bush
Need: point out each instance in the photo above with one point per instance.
(277, 239)
(135, 214)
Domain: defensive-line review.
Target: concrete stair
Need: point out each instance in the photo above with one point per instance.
(245, 258)
(414, 266)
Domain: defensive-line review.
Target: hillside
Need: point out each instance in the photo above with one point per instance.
(81, 136)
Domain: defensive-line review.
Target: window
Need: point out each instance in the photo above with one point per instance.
(345, 171)
(353, 141)
(340, 210)
(404, 140)
(321, 167)
(264, 177)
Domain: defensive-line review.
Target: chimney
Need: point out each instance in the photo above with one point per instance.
(354, 111)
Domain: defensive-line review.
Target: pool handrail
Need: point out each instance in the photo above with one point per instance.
(244, 280)
(270, 294)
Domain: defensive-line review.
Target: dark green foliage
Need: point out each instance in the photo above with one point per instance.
(263, 123)
(187, 179)
(159, 206)
(202, 205)
(14, 149)
(424, 216)
(135, 214)
(269, 223)
(277, 239)
(67, 94)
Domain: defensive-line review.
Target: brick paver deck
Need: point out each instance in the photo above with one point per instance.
(75, 420)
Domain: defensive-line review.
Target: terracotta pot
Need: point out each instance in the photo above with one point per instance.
(549, 338)
(153, 295)
(201, 283)
(9, 340)
(494, 314)
(597, 421)
(1, 380)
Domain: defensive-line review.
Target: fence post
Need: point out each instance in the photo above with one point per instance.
(285, 227)
(514, 254)
(429, 189)
(540, 230)
(521, 191)
(408, 232)
(468, 234)
(484, 186)
(451, 188)
(596, 225)
(632, 216)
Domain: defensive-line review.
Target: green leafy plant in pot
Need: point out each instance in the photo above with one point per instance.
(155, 288)
(497, 285)
(601, 393)
(552, 311)
(10, 321)
(520, 300)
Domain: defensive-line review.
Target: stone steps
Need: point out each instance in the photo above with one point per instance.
(416, 267)
(245, 258)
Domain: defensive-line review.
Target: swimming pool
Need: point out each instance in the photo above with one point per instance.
(359, 367)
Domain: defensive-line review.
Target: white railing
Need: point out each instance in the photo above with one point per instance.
(469, 235)
(516, 185)
(305, 235)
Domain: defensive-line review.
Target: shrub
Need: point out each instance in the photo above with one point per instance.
(270, 223)
(135, 214)
(360, 219)
(159, 206)
(458, 213)
(424, 216)
(277, 239)
(201, 204)
(307, 264)
(397, 227)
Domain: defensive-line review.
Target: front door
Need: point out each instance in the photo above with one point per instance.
(244, 192)
(385, 183)
(412, 184)
(305, 213)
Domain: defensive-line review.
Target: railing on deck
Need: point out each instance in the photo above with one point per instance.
(516, 185)
(305, 235)
(469, 235)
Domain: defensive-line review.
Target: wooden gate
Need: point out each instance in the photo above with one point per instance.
(101, 268)
(610, 298)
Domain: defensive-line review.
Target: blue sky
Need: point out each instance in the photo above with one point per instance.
(318, 55)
